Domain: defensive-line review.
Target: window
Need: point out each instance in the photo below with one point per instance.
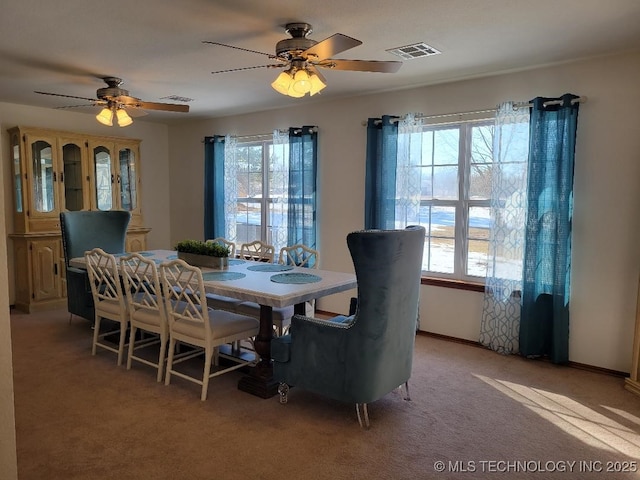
(262, 171)
(452, 166)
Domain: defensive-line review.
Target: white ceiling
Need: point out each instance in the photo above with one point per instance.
(156, 46)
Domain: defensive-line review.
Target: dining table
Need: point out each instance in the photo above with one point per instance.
(269, 285)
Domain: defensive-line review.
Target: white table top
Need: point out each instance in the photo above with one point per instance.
(257, 286)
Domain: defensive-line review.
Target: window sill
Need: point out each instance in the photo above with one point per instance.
(457, 284)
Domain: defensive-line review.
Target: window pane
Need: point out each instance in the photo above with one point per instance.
(445, 183)
(481, 163)
(479, 224)
(439, 223)
(446, 146)
(248, 221)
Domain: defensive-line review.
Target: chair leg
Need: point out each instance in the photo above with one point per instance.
(283, 390)
(172, 347)
(406, 391)
(163, 348)
(208, 357)
(132, 338)
(96, 333)
(123, 337)
(365, 415)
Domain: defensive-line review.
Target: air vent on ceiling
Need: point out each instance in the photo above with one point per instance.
(417, 50)
(177, 98)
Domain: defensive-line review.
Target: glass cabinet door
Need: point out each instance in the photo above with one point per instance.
(103, 178)
(73, 177)
(43, 176)
(127, 179)
(17, 173)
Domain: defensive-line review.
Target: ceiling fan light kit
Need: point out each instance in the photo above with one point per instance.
(116, 101)
(302, 57)
(297, 83)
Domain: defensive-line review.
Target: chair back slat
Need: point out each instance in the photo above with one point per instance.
(104, 277)
(184, 292)
(299, 255)
(142, 284)
(257, 251)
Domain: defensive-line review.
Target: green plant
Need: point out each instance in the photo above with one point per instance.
(202, 248)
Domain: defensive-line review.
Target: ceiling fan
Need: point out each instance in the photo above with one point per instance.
(116, 100)
(301, 57)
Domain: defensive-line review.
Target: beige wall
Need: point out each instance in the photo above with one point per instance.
(606, 259)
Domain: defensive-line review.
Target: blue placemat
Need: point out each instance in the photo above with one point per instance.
(295, 277)
(172, 257)
(145, 254)
(235, 261)
(222, 276)
(270, 267)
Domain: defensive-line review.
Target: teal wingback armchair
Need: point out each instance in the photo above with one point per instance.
(82, 231)
(362, 357)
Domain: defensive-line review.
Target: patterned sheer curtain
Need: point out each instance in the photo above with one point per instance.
(220, 187)
(409, 171)
(500, 323)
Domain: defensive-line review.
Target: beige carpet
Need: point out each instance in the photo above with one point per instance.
(482, 414)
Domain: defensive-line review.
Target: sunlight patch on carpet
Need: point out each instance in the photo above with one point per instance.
(584, 423)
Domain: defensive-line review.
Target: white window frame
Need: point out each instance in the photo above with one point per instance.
(461, 206)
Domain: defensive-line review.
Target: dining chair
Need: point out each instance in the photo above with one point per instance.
(192, 322)
(81, 231)
(146, 307)
(257, 251)
(360, 358)
(263, 252)
(108, 299)
(226, 243)
(300, 255)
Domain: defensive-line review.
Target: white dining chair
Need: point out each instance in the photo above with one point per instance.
(192, 322)
(109, 300)
(300, 255)
(226, 243)
(147, 310)
(257, 251)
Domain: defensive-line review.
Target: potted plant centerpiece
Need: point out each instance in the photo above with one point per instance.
(203, 254)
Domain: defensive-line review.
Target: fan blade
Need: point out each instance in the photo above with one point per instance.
(134, 102)
(134, 112)
(169, 107)
(66, 96)
(361, 65)
(240, 48)
(331, 46)
(95, 104)
(250, 68)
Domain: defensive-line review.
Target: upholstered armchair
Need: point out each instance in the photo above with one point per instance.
(83, 231)
(361, 357)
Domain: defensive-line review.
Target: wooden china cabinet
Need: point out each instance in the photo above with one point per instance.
(55, 171)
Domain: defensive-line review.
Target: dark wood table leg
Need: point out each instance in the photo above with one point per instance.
(260, 380)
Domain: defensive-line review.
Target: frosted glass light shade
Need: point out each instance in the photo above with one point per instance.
(316, 84)
(301, 83)
(105, 117)
(281, 84)
(123, 118)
